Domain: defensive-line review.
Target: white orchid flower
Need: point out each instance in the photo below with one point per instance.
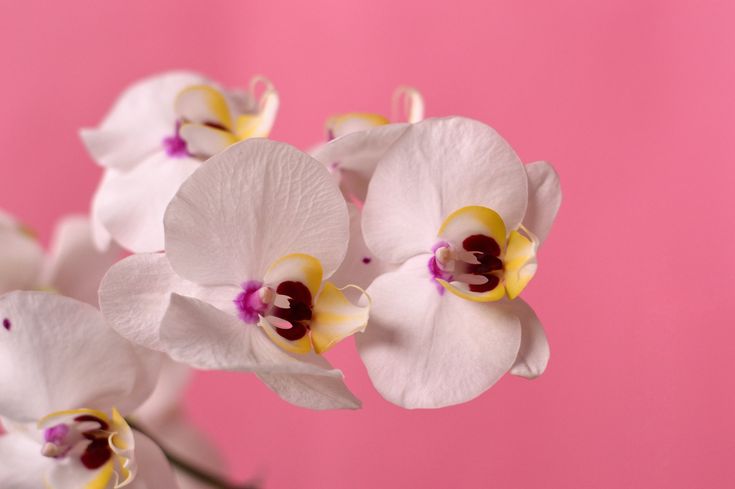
(250, 237)
(452, 204)
(158, 132)
(67, 380)
(73, 266)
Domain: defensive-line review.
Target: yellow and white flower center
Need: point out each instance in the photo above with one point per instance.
(475, 259)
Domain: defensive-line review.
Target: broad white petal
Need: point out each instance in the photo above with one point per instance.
(134, 296)
(21, 464)
(205, 337)
(21, 259)
(425, 349)
(544, 198)
(168, 396)
(435, 168)
(139, 121)
(75, 267)
(65, 351)
(533, 355)
(250, 205)
(312, 391)
(131, 205)
(354, 157)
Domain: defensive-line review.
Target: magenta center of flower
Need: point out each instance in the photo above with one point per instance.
(87, 437)
(476, 262)
(175, 145)
(290, 301)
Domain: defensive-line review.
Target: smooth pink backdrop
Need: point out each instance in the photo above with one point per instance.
(632, 101)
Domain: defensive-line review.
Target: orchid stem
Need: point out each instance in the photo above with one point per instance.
(212, 480)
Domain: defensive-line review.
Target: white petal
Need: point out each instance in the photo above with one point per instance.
(312, 391)
(355, 156)
(435, 168)
(205, 337)
(131, 205)
(21, 464)
(360, 266)
(533, 355)
(75, 267)
(544, 198)
(63, 349)
(255, 202)
(424, 349)
(21, 259)
(134, 296)
(139, 121)
(154, 471)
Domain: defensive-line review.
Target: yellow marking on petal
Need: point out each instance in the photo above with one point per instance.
(259, 125)
(334, 317)
(297, 267)
(471, 220)
(122, 444)
(101, 481)
(206, 141)
(339, 125)
(49, 419)
(490, 296)
(123, 432)
(203, 104)
(520, 263)
(301, 346)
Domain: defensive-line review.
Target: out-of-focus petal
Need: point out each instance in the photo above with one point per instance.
(341, 125)
(250, 205)
(544, 198)
(131, 205)
(533, 355)
(75, 267)
(64, 349)
(353, 157)
(21, 258)
(205, 141)
(142, 117)
(203, 104)
(424, 349)
(436, 167)
(154, 471)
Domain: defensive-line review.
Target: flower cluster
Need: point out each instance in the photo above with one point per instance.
(414, 235)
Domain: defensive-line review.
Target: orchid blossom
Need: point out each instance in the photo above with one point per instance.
(456, 210)
(250, 238)
(73, 266)
(159, 131)
(65, 411)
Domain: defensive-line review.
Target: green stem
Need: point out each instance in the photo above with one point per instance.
(213, 480)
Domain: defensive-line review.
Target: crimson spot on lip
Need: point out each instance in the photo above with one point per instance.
(487, 252)
(97, 453)
(299, 311)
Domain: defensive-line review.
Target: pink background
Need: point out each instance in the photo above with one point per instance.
(632, 101)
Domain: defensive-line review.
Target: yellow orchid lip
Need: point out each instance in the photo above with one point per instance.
(298, 311)
(210, 120)
(107, 442)
(477, 260)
